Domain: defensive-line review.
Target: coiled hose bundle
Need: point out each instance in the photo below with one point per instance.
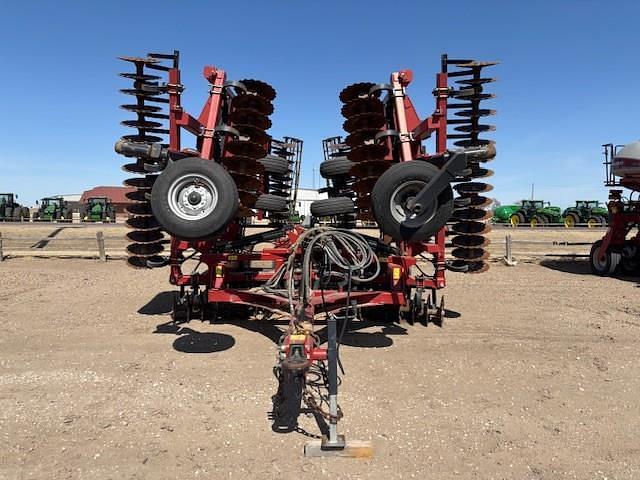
(344, 253)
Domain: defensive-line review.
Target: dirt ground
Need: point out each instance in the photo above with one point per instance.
(533, 376)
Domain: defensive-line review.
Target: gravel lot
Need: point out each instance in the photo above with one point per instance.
(536, 377)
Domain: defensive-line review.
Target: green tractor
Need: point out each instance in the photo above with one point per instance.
(98, 209)
(534, 212)
(53, 209)
(591, 212)
(503, 213)
(10, 210)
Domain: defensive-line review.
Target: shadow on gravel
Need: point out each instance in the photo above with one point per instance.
(575, 266)
(158, 305)
(191, 341)
(580, 267)
(367, 340)
(263, 327)
(451, 314)
(43, 243)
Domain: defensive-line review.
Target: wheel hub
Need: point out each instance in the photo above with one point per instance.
(192, 197)
(402, 203)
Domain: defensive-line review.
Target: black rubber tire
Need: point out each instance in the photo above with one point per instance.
(389, 181)
(272, 203)
(288, 401)
(630, 266)
(336, 167)
(275, 165)
(26, 213)
(608, 266)
(8, 213)
(217, 219)
(328, 207)
(602, 220)
(17, 214)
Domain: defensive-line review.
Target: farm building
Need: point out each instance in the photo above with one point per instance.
(304, 198)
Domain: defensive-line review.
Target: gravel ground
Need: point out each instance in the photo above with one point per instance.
(534, 376)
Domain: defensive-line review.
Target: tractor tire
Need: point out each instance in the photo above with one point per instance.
(571, 220)
(272, 203)
(329, 207)
(538, 221)
(17, 214)
(592, 222)
(602, 220)
(392, 191)
(8, 213)
(516, 219)
(275, 165)
(606, 266)
(194, 198)
(26, 213)
(336, 167)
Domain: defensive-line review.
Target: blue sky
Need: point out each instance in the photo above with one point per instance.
(568, 78)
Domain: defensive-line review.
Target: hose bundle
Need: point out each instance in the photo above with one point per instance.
(343, 252)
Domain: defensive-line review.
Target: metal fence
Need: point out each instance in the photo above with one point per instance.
(514, 249)
(71, 247)
(114, 247)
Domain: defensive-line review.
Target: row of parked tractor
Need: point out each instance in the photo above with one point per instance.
(53, 209)
(537, 213)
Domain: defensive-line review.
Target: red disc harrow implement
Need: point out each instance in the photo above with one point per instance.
(375, 247)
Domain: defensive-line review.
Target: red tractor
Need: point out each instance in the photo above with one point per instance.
(205, 197)
(620, 247)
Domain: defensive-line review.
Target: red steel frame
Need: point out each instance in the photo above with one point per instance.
(621, 223)
(395, 279)
(622, 216)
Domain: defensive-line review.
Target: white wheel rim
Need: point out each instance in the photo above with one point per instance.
(192, 197)
(600, 265)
